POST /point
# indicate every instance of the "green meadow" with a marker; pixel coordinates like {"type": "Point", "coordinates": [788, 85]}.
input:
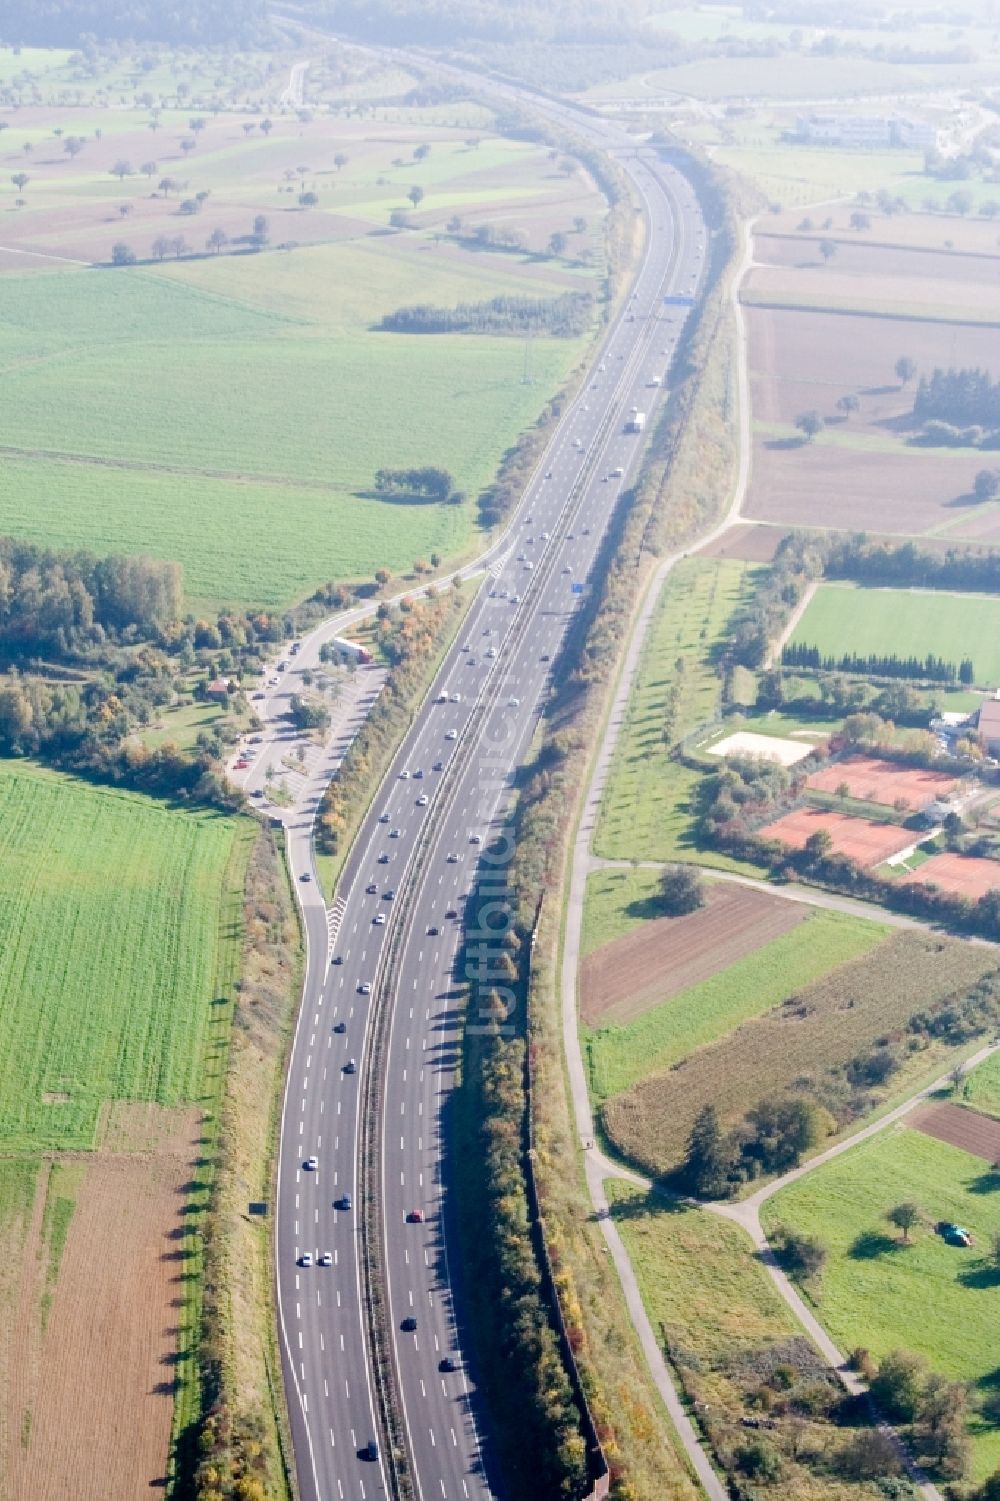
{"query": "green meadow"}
{"type": "Point", "coordinates": [844, 618]}
{"type": "Point", "coordinates": [118, 921]}
{"type": "Point", "coordinates": [936, 1299]}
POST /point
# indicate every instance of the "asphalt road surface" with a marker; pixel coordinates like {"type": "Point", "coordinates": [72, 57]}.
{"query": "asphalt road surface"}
{"type": "Point", "coordinates": [422, 840]}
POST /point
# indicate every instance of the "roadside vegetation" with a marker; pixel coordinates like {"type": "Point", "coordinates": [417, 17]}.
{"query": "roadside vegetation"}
{"type": "Point", "coordinates": [239, 1440]}
{"type": "Point", "coordinates": [981, 1088]}
{"type": "Point", "coordinates": [412, 638]}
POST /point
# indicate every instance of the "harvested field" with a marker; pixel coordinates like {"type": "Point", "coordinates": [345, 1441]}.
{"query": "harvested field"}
{"type": "Point", "coordinates": [116, 1289]}
{"type": "Point", "coordinates": [906, 491]}
{"type": "Point", "coordinates": [966, 875]}
{"type": "Point", "coordinates": [877, 781]}
{"type": "Point", "coordinates": [622, 979]}
{"type": "Point", "coordinates": [860, 838]}
{"type": "Point", "coordinates": [766, 747]}
{"type": "Point", "coordinates": [884, 279]}
{"type": "Point", "coordinates": [800, 360]}
{"type": "Point", "coordinates": [959, 1127]}
{"type": "Point", "coordinates": [921, 267]}
{"type": "Point", "coordinates": [747, 542]}
{"type": "Point", "coordinates": [969, 236]}
{"type": "Point", "coordinates": [859, 469]}
{"type": "Point", "coordinates": [824, 1025]}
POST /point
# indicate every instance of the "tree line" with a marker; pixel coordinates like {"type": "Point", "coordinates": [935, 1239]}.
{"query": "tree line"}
{"type": "Point", "coordinates": [65, 23]}
{"type": "Point", "coordinates": [908, 566]}
{"type": "Point", "coordinates": [967, 397]}
{"type": "Point", "coordinates": [65, 602]}
{"type": "Point", "coordinates": [564, 317]}
{"type": "Point", "coordinates": [886, 665]}
{"type": "Point", "coordinates": [424, 483]}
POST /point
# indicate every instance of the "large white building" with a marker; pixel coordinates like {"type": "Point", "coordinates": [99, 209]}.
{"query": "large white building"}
{"type": "Point", "coordinates": [869, 131]}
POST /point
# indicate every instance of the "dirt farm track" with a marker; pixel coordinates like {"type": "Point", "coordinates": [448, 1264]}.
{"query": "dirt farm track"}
{"type": "Point", "coordinates": [960, 1127]}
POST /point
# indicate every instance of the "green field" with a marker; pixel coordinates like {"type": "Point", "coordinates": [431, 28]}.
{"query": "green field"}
{"type": "Point", "coordinates": [230, 411]}
{"type": "Point", "coordinates": [233, 475]}
{"type": "Point", "coordinates": [616, 903]}
{"type": "Point", "coordinates": [111, 906]}
{"type": "Point", "coordinates": [647, 812]}
{"type": "Point", "coordinates": [620, 1056]}
{"type": "Point", "coordinates": [843, 618]}
{"type": "Point", "coordinates": [928, 1296]}
{"type": "Point", "coordinates": [982, 1087]}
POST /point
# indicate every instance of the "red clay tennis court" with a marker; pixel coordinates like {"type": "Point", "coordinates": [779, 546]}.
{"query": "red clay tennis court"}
{"type": "Point", "coordinates": [878, 781]}
{"type": "Point", "coordinates": [863, 840]}
{"type": "Point", "coordinates": [964, 875]}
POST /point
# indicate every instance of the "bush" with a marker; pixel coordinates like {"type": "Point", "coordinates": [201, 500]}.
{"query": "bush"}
{"type": "Point", "coordinates": [867, 1456]}
{"type": "Point", "coordinates": [899, 1386]}
{"type": "Point", "coordinates": [759, 1460]}
{"type": "Point", "coordinates": [682, 890]}
{"type": "Point", "coordinates": [801, 1255]}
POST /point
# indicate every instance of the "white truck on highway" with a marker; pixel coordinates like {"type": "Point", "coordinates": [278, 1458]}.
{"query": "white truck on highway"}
{"type": "Point", "coordinates": [636, 421]}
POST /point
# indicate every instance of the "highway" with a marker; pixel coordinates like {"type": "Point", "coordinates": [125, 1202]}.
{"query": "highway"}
{"type": "Point", "coordinates": [408, 877]}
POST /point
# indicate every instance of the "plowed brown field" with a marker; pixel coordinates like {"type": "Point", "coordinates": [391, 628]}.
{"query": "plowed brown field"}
{"type": "Point", "coordinates": [861, 474]}
{"type": "Point", "coordinates": [878, 781]}
{"type": "Point", "coordinates": [868, 842]}
{"type": "Point", "coordinates": [748, 542]}
{"type": "Point", "coordinates": [90, 1394]}
{"type": "Point", "coordinates": [960, 1127]}
{"type": "Point", "coordinates": [966, 875]}
{"type": "Point", "coordinates": [622, 979]}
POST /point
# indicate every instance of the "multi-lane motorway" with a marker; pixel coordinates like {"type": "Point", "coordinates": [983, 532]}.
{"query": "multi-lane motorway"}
{"type": "Point", "coordinates": [408, 878]}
